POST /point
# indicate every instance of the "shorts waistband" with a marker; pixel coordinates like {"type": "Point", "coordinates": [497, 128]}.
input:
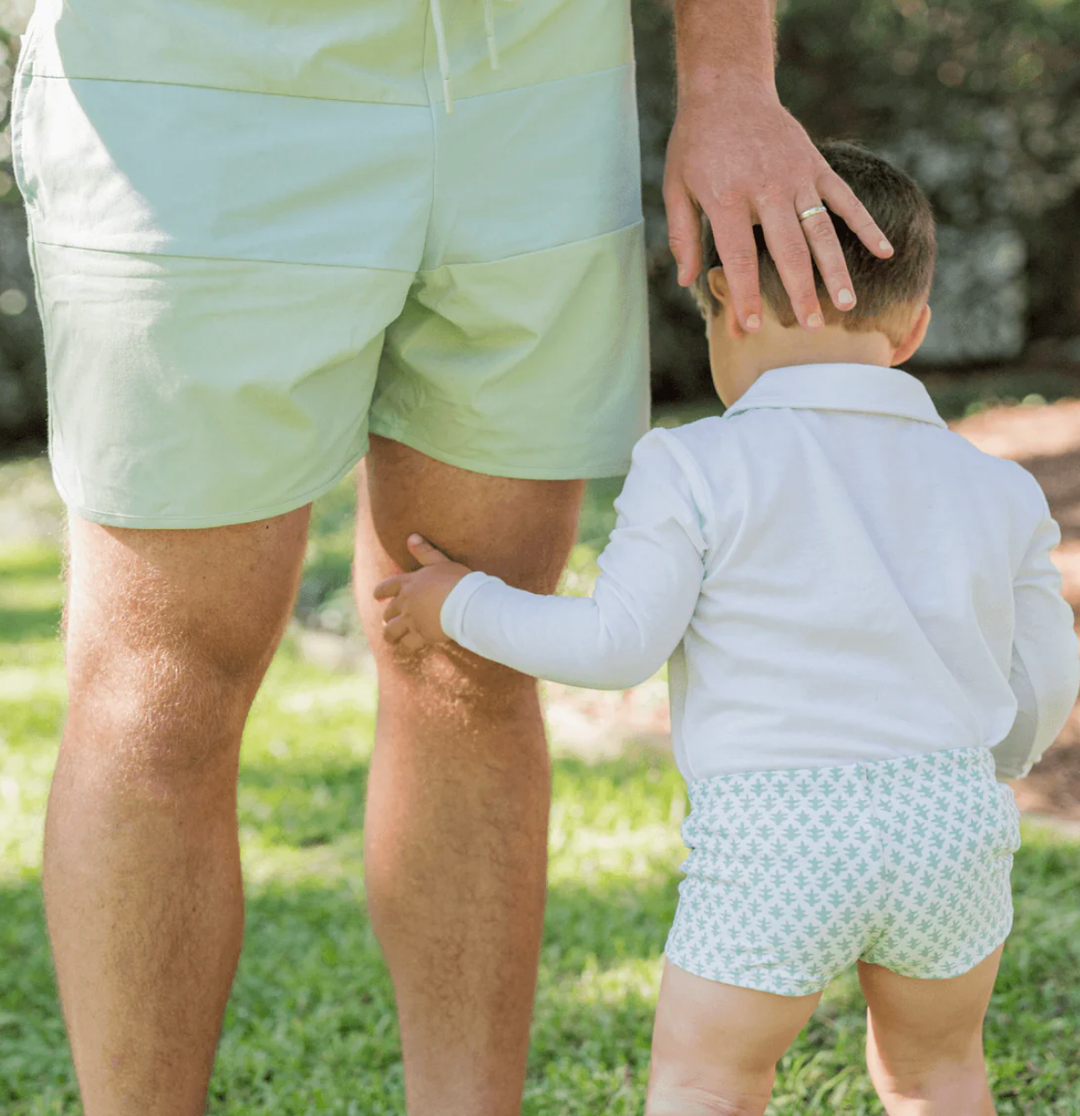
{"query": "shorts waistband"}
{"type": "Point", "coordinates": [974, 760]}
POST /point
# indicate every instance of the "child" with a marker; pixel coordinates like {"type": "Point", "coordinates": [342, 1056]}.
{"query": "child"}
{"type": "Point", "coordinates": [861, 616]}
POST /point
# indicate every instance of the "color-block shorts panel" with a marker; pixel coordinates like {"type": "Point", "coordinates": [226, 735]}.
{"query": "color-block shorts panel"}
{"type": "Point", "coordinates": [257, 240]}
{"type": "Point", "coordinates": [794, 875]}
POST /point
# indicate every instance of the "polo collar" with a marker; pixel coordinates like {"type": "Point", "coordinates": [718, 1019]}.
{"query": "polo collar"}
{"type": "Point", "coordinates": [865, 388]}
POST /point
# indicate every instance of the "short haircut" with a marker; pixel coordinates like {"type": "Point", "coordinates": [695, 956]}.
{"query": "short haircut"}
{"type": "Point", "coordinates": [887, 290]}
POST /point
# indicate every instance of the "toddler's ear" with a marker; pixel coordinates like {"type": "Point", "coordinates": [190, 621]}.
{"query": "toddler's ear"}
{"type": "Point", "coordinates": [718, 285]}
{"type": "Point", "coordinates": [914, 338]}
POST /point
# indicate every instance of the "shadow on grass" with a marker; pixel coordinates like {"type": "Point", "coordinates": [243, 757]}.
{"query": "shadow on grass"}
{"type": "Point", "coordinates": [301, 807]}
{"type": "Point", "coordinates": [27, 575]}
{"type": "Point", "coordinates": [19, 624]}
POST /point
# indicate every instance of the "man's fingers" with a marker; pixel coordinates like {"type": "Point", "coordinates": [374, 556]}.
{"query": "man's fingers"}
{"type": "Point", "coordinates": [388, 588]}
{"type": "Point", "coordinates": [684, 231]}
{"type": "Point", "coordinates": [733, 234]}
{"type": "Point", "coordinates": [424, 552]}
{"type": "Point", "coordinates": [787, 245]}
{"type": "Point", "coordinates": [841, 199]}
{"type": "Point", "coordinates": [821, 236]}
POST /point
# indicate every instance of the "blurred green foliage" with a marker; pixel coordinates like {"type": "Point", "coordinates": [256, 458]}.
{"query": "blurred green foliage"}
{"type": "Point", "coordinates": [979, 99]}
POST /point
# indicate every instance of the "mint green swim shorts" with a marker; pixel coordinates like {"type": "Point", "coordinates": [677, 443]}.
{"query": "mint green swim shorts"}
{"type": "Point", "coordinates": [794, 875]}
{"type": "Point", "coordinates": [262, 231]}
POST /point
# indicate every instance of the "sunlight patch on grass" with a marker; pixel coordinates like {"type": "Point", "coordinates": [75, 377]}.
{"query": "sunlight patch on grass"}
{"type": "Point", "coordinates": [339, 864]}
{"type": "Point", "coordinates": [613, 984]}
{"type": "Point", "coordinates": [24, 790]}
{"type": "Point", "coordinates": [31, 594]}
{"type": "Point", "coordinates": [19, 684]}
{"type": "Point", "coordinates": [353, 692]}
{"type": "Point", "coordinates": [629, 854]}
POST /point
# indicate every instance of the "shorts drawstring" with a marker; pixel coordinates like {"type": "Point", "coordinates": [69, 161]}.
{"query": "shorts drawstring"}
{"type": "Point", "coordinates": [444, 59]}
{"type": "Point", "coordinates": [440, 43]}
{"type": "Point", "coordinates": [489, 27]}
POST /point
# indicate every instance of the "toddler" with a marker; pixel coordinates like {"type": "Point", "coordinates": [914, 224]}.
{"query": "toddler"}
{"type": "Point", "coordinates": [862, 620]}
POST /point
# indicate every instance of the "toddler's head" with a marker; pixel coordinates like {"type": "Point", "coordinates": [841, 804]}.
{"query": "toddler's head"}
{"type": "Point", "coordinates": [889, 320]}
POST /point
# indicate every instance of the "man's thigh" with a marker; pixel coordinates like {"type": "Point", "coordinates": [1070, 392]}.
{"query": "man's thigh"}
{"type": "Point", "coordinates": [519, 530]}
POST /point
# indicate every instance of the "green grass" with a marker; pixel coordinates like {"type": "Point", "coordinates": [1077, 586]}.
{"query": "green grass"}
{"type": "Point", "coordinates": [310, 1027]}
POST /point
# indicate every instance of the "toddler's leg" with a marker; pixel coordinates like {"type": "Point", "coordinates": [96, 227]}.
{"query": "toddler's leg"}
{"type": "Point", "coordinates": [924, 1040]}
{"type": "Point", "coordinates": [715, 1046]}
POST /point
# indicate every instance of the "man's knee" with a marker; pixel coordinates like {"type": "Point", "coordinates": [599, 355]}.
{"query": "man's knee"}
{"type": "Point", "coordinates": [168, 636]}
{"type": "Point", "coordinates": [160, 697]}
{"type": "Point", "coordinates": [157, 713]}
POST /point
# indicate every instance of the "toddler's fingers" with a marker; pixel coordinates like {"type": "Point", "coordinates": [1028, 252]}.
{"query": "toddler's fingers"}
{"type": "Point", "coordinates": [388, 588]}
{"type": "Point", "coordinates": [424, 552]}
{"type": "Point", "coordinates": [414, 641]}
{"type": "Point", "coordinates": [396, 630]}
{"type": "Point", "coordinates": [396, 607]}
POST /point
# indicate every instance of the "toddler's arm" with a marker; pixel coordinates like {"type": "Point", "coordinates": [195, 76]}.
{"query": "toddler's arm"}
{"type": "Point", "coordinates": [651, 574]}
{"type": "Point", "coordinates": [1045, 666]}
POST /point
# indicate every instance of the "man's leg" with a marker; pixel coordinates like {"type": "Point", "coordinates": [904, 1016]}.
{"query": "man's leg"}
{"type": "Point", "coordinates": [458, 798]}
{"type": "Point", "coordinates": [168, 636]}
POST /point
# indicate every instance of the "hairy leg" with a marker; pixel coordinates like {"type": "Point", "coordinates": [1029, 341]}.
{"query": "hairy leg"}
{"type": "Point", "coordinates": [715, 1046]}
{"type": "Point", "coordinates": [168, 636]}
{"type": "Point", "coordinates": [456, 830]}
{"type": "Point", "coordinates": [924, 1046]}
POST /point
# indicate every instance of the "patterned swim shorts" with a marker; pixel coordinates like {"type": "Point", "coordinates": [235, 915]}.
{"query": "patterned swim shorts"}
{"type": "Point", "coordinates": [795, 874]}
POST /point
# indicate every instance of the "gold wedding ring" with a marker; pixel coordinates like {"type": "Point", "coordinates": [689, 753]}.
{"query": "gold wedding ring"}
{"type": "Point", "coordinates": [811, 211]}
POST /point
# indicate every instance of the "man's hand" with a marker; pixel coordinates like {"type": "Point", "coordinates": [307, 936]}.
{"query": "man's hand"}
{"type": "Point", "coordinates": [738, 155]}
{"type": "Point", "coordinates": [411, 619]}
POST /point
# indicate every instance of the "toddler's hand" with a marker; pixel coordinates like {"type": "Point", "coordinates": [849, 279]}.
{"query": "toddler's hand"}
{"type": "Point", "coordinates": [411, 619]}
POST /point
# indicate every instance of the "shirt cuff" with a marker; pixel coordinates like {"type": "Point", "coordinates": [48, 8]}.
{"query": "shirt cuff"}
{"type": "Point", "coordinates": [452, 613]}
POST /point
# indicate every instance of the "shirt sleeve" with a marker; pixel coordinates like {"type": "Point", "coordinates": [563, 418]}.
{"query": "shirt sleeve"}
{"type": "Point", "coordinates": [651, 574]}
{"type": "Point", "coordinates": [1045, 670]}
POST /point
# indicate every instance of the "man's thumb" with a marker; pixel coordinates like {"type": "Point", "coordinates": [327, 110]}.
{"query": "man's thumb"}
{"type": "Point", "coordinates": [424, 552]}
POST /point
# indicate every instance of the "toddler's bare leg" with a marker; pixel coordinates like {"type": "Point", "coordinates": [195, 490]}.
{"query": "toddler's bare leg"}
{"type": "Point", "coordinates": [924, 1040]}
{"type": "Point", "coordinates": [715, 1046]}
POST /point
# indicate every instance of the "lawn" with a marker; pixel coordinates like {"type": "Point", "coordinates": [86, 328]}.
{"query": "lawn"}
{"type": "Point", "coordinates": [310, 1027]}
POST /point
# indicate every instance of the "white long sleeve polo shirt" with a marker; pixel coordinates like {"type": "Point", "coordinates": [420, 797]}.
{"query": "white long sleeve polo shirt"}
{"type": "Point", "coordinates": [835, 576]}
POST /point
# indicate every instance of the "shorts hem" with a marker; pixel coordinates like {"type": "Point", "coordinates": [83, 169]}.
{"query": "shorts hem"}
{"type": "Point", "coordinates": [741, 980]}
{"type": "Point", "coordinates": [194, 523]}
{"type": "Point", "coordinates": [151, 256]}
{"type": "Point", "coordinates": [591, 471]}
{"type": "Point", "coordinates": [425, 103]}
{"type": "Point", "coordinates": [944, 972]}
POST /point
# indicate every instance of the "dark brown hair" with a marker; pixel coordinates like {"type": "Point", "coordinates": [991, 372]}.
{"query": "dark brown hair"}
{"type": "Point", "coordinates": [887, 290]}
